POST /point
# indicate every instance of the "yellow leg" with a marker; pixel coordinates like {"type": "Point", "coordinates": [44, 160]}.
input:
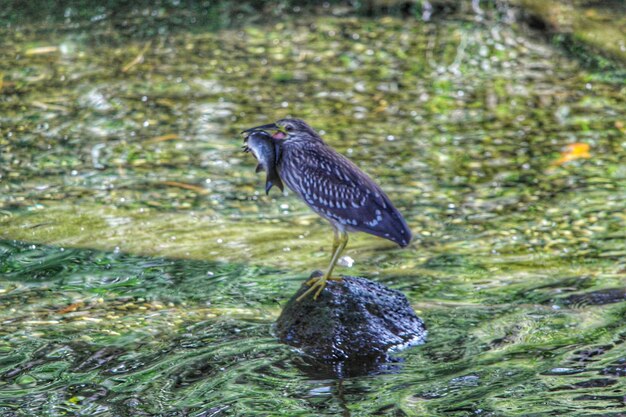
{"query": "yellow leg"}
{"type": "Point", "coordinates": [336, 242]}
{"type": "Point", "coordinates": [318, 283]}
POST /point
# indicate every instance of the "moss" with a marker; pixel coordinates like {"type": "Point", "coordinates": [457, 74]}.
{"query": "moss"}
{"type": "Point", "coordinates": [591, 32]}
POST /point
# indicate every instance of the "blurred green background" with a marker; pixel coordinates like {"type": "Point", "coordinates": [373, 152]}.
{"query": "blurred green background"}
{"type": "Point", "coordinates": [142, 266]}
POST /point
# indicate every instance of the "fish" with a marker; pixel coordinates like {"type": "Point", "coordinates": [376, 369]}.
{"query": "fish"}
{"type": "Point", "coordinates": [267, 152]}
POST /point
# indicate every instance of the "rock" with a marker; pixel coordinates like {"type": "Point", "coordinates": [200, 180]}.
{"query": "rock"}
{"type": "Point", "coordinates": [596, 298]}
{"type": "Point", "coordinates": [353, 323]}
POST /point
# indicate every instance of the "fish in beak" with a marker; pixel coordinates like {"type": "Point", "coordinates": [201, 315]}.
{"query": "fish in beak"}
{"type": "Point", "coordinates": [267, 153]}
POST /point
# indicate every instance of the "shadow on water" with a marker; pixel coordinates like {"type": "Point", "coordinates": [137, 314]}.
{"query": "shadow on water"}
{"type": "Point", "coordinates": [104, 333]}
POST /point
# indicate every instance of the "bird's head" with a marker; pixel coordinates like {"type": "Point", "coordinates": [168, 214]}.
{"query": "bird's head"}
{"type": "Point", "coordinates": [288, 130]}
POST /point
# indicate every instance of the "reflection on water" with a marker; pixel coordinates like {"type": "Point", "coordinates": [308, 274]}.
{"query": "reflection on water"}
{"type": "Point", "coordinates": [113, 334]}
{"type": "Point", "coordinates": [129, 150]}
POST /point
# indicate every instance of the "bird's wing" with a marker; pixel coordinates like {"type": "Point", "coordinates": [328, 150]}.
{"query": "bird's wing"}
{"type": "Point", "coordinates": [337, 189]}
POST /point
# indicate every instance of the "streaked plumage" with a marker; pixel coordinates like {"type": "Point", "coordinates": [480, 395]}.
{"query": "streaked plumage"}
{"type": "Point", "coordinates": [339, 191]}
{"type": "Point", "coordinates": [334, 188]}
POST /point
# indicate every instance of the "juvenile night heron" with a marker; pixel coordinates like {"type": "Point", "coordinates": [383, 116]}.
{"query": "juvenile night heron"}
{"type": "Point", "coordinates": [334, 188]}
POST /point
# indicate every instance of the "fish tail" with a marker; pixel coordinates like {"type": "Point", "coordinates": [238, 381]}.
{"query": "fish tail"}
{"type": "Point", "coordinates": [272, 179]}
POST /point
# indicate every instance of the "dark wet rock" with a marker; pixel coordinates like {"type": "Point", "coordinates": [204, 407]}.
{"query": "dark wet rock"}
{"type": "Point", "coordinates": [614, 370]}
{"type": "Point", "coordinates": [589, 354]}
{"type": "Point", "coordinates": [591, 383]}
{"type": "Point", "coordinates": [600, 297]}
{"type": "Point", "coordinates": [618, 368]}
{"type": "Point", "coordinates": [354, 322]}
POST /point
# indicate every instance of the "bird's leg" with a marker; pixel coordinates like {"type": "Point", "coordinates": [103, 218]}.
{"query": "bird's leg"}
{"type": "Point", "coordinates": [318, 283]}
{"type": "Point", "coordinates": [339, 244]}
{"type": "Point", "coordinates": [336, 242]}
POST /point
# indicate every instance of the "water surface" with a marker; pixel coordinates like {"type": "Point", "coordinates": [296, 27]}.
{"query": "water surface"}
{"type": "Point", "coordinates": [142, 266]}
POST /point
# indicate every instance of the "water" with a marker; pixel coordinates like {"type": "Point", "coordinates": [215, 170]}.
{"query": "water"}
{"type": "Point", "coordinates": [142, 266]}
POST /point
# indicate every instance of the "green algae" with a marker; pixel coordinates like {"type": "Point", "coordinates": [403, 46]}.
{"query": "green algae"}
{"type": "Point", "coordinates": [592, 31]}
{"type": "Point", "coordinates": [141, 265]}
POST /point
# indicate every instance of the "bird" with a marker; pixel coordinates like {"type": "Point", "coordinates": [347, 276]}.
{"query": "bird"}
{"type": "Point", "coordinates": [334, 188]}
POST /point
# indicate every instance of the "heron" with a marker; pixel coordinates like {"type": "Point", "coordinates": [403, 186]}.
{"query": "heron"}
{"type": "Point", "coordinates": [334, 188]}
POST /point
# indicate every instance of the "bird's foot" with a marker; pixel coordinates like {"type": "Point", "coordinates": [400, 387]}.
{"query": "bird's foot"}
{"type": "Point", "coordinates": [313, 280]}
{"type": "Point", "coordinates": [317, 285]}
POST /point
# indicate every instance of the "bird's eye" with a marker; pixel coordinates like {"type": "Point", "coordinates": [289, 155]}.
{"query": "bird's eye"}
{"type": "Point", "coordinates": [288, 128]}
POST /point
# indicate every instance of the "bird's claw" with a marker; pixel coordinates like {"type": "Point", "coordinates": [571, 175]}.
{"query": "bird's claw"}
{"type": "Point", "coordinates": [317, 285]}
{"type": "Point", "coordinates": [313, 280]}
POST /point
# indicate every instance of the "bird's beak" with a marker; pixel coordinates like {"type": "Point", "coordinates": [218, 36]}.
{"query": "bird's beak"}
{"type": "Point", "coordinates": [271, 126]}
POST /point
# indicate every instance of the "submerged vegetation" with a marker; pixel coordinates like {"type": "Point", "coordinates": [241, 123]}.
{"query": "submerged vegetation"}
{"type": "Point", "coordinates": [142, 266]}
